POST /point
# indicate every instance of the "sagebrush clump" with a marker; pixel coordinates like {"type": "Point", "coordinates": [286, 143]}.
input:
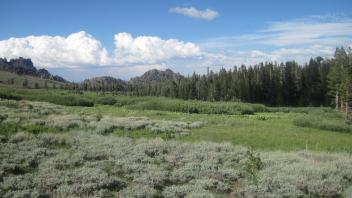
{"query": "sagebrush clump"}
{"type": "Point", "coordinates": [37, 117]}
{"type": "Point", "coordinates": [77, 164]}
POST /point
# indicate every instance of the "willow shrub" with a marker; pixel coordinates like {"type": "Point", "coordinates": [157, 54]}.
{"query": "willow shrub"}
{"type": "Point", "coordinates": [323, 119]}
{"type": "Point", "coordinates": [190, 106]}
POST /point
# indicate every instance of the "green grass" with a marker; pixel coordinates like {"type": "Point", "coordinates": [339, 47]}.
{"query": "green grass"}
{"type": "Point", "coordinates": [268, 131]}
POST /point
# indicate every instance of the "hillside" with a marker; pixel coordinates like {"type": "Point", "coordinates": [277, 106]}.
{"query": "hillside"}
{"type": "Point", "coordinates": [155, 75]}
{"type": "Point", "coordinates": [23, 66]}
{"type": "Point", "coordinates": [29, 81]}
{"type": "Point", "coordinates": [106, 83]}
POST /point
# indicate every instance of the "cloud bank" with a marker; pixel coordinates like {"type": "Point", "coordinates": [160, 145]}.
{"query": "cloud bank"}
{"type": "Point", "coordinates": [207, 14]}
{"type": "Point", "coordinates": [78, 49]}
{"type": "Point", "coordinates": [151, 49]}
{"type": "Point", "coordinates": [82, 49]}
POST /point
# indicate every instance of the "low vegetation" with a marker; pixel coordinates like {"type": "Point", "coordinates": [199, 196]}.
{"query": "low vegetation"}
{"type": "Point", "coordinates": [39, 117]}
{"type": "Point", "coordinates": [59, 97]}
{"type": "Point", "coordinates": [173, 152]}
{"type": "Point", "coordinates": [190, 106]}
{"type": "Point", "coordinates": [106, 166]}
{"type": "Point", "coordinates": [325, 119]}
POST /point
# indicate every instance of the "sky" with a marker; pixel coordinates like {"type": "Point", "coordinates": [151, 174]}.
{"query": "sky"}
{"type": "Point", "coordinates": [85, 38]}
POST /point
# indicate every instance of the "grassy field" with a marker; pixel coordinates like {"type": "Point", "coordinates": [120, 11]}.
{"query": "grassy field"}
{"type": "Point", "coordinates": [275, 130]}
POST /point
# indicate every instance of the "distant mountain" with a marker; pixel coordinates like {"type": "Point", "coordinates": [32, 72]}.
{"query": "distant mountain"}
{"type": "Point", "coordinates": [155, 75]}
{"type": "Point", "coordinates": [106, 83]}
{"type": "Point", "coordinates": [24, 66]}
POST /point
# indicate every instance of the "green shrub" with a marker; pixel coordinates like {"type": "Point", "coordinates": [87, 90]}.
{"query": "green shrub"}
{"type": "Point", "coordinates": [305, 121]}
{"type": "Point", "coordinates": [190, 106]}
{"type": "Point", "coordinates": [9, 96]}
{"type": "Point", "coordinates": [322, 121]}
{"type": "Point", "coordinates": [71, 101]}
{"type": "Point", "coordinates": [262, 117]}
{"type": "Point", "coordinates": [106, 101]}
{"type": "Point", "coordinates": [247, 111]}
{"type": "Point", "coordinates": [8, 128]}
{"type": "Point", "coordinates": [300, 174]}
{"type": "Point", "coordinates": [35, 128]}
{"type": "Point", "coordinates": [84, 102]}
{"type": "Point", "coordinates": [335, 126]}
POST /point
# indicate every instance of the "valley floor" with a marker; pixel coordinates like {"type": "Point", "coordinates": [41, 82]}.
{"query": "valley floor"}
{"type": "Point", "coordinates": [132, 148]}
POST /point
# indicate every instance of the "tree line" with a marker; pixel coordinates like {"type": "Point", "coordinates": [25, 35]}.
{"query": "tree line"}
{"type": "Point", "coordinates": [318, 82]}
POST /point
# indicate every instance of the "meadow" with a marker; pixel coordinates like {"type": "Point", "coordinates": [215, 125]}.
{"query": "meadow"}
{"type": "Point", "coordinates": [126, 146]}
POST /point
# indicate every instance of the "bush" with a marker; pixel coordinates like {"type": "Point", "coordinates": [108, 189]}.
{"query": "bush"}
{"type": "Point", "coordinates": [35, 128]}
{"type": "Point", "coordinates": [305, 121]}
{"type": "Point", "coordinates": [9, 96]}
{"type": "Point", "coordinates": [322, 122]}
{"type": "Point", "coordinates": [8, 128]}
{"type": "Point", "coordinates": [189, 106]}
{"type": "Point", "coordinates": [72, 101]}
{"type": "Point", "coordinates": [106, 101]}
{"type": "Point", "coordinates": [247, 111]}
{"type": "Point", "coordinates": [301, 174]}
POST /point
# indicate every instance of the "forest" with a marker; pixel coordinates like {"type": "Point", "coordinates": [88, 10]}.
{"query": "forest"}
{"type": "Point", "coordinates": [319, 82]}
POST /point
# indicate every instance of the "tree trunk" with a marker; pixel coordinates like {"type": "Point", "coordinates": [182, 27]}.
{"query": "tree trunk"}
{"type": "Point", "coordinates": [337, 100]}
{"type": "Point", "coordinates": [341, 104]}
{"type": "Point", "coordinates": [347, 109]}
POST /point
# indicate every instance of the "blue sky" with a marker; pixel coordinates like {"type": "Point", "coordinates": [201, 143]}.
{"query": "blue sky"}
{"type": "Point", "coordinates": [81, 39]}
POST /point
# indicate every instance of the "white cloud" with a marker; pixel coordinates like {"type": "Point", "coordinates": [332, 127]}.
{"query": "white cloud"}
{"type": "Point", "coordinates": [300, 55]}
{"type": "Point", "coordinates": [207, 14]}
{"type": "Point", "coordinates": [298, 40]}
{"type": "Point", "coordinates": [56, 51]}
{"type": "Point", "coordinates": [306, 33]}
{"type": "Point", "coordinates": [81, 50]}
{"type": "Point", "coordinates": [150, 49]}
{"type": "Point", "coordinates": [326, 30]}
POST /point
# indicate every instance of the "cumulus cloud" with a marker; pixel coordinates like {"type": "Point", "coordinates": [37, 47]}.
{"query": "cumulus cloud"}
{"type": "Point", "coordinates": [82, 49]}
{"type": "Point", "coordinates": [151, 49]}
{"type": "Point", "coordinates": [56, 51]}
{"type": "Point", "coordinates": [207, 14]}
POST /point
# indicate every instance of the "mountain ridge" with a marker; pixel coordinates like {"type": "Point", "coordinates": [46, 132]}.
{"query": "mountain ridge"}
{"type": "Point", "coordinates": [24, 66]}
{"type": "Point", "coordinates": [155, 75]}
